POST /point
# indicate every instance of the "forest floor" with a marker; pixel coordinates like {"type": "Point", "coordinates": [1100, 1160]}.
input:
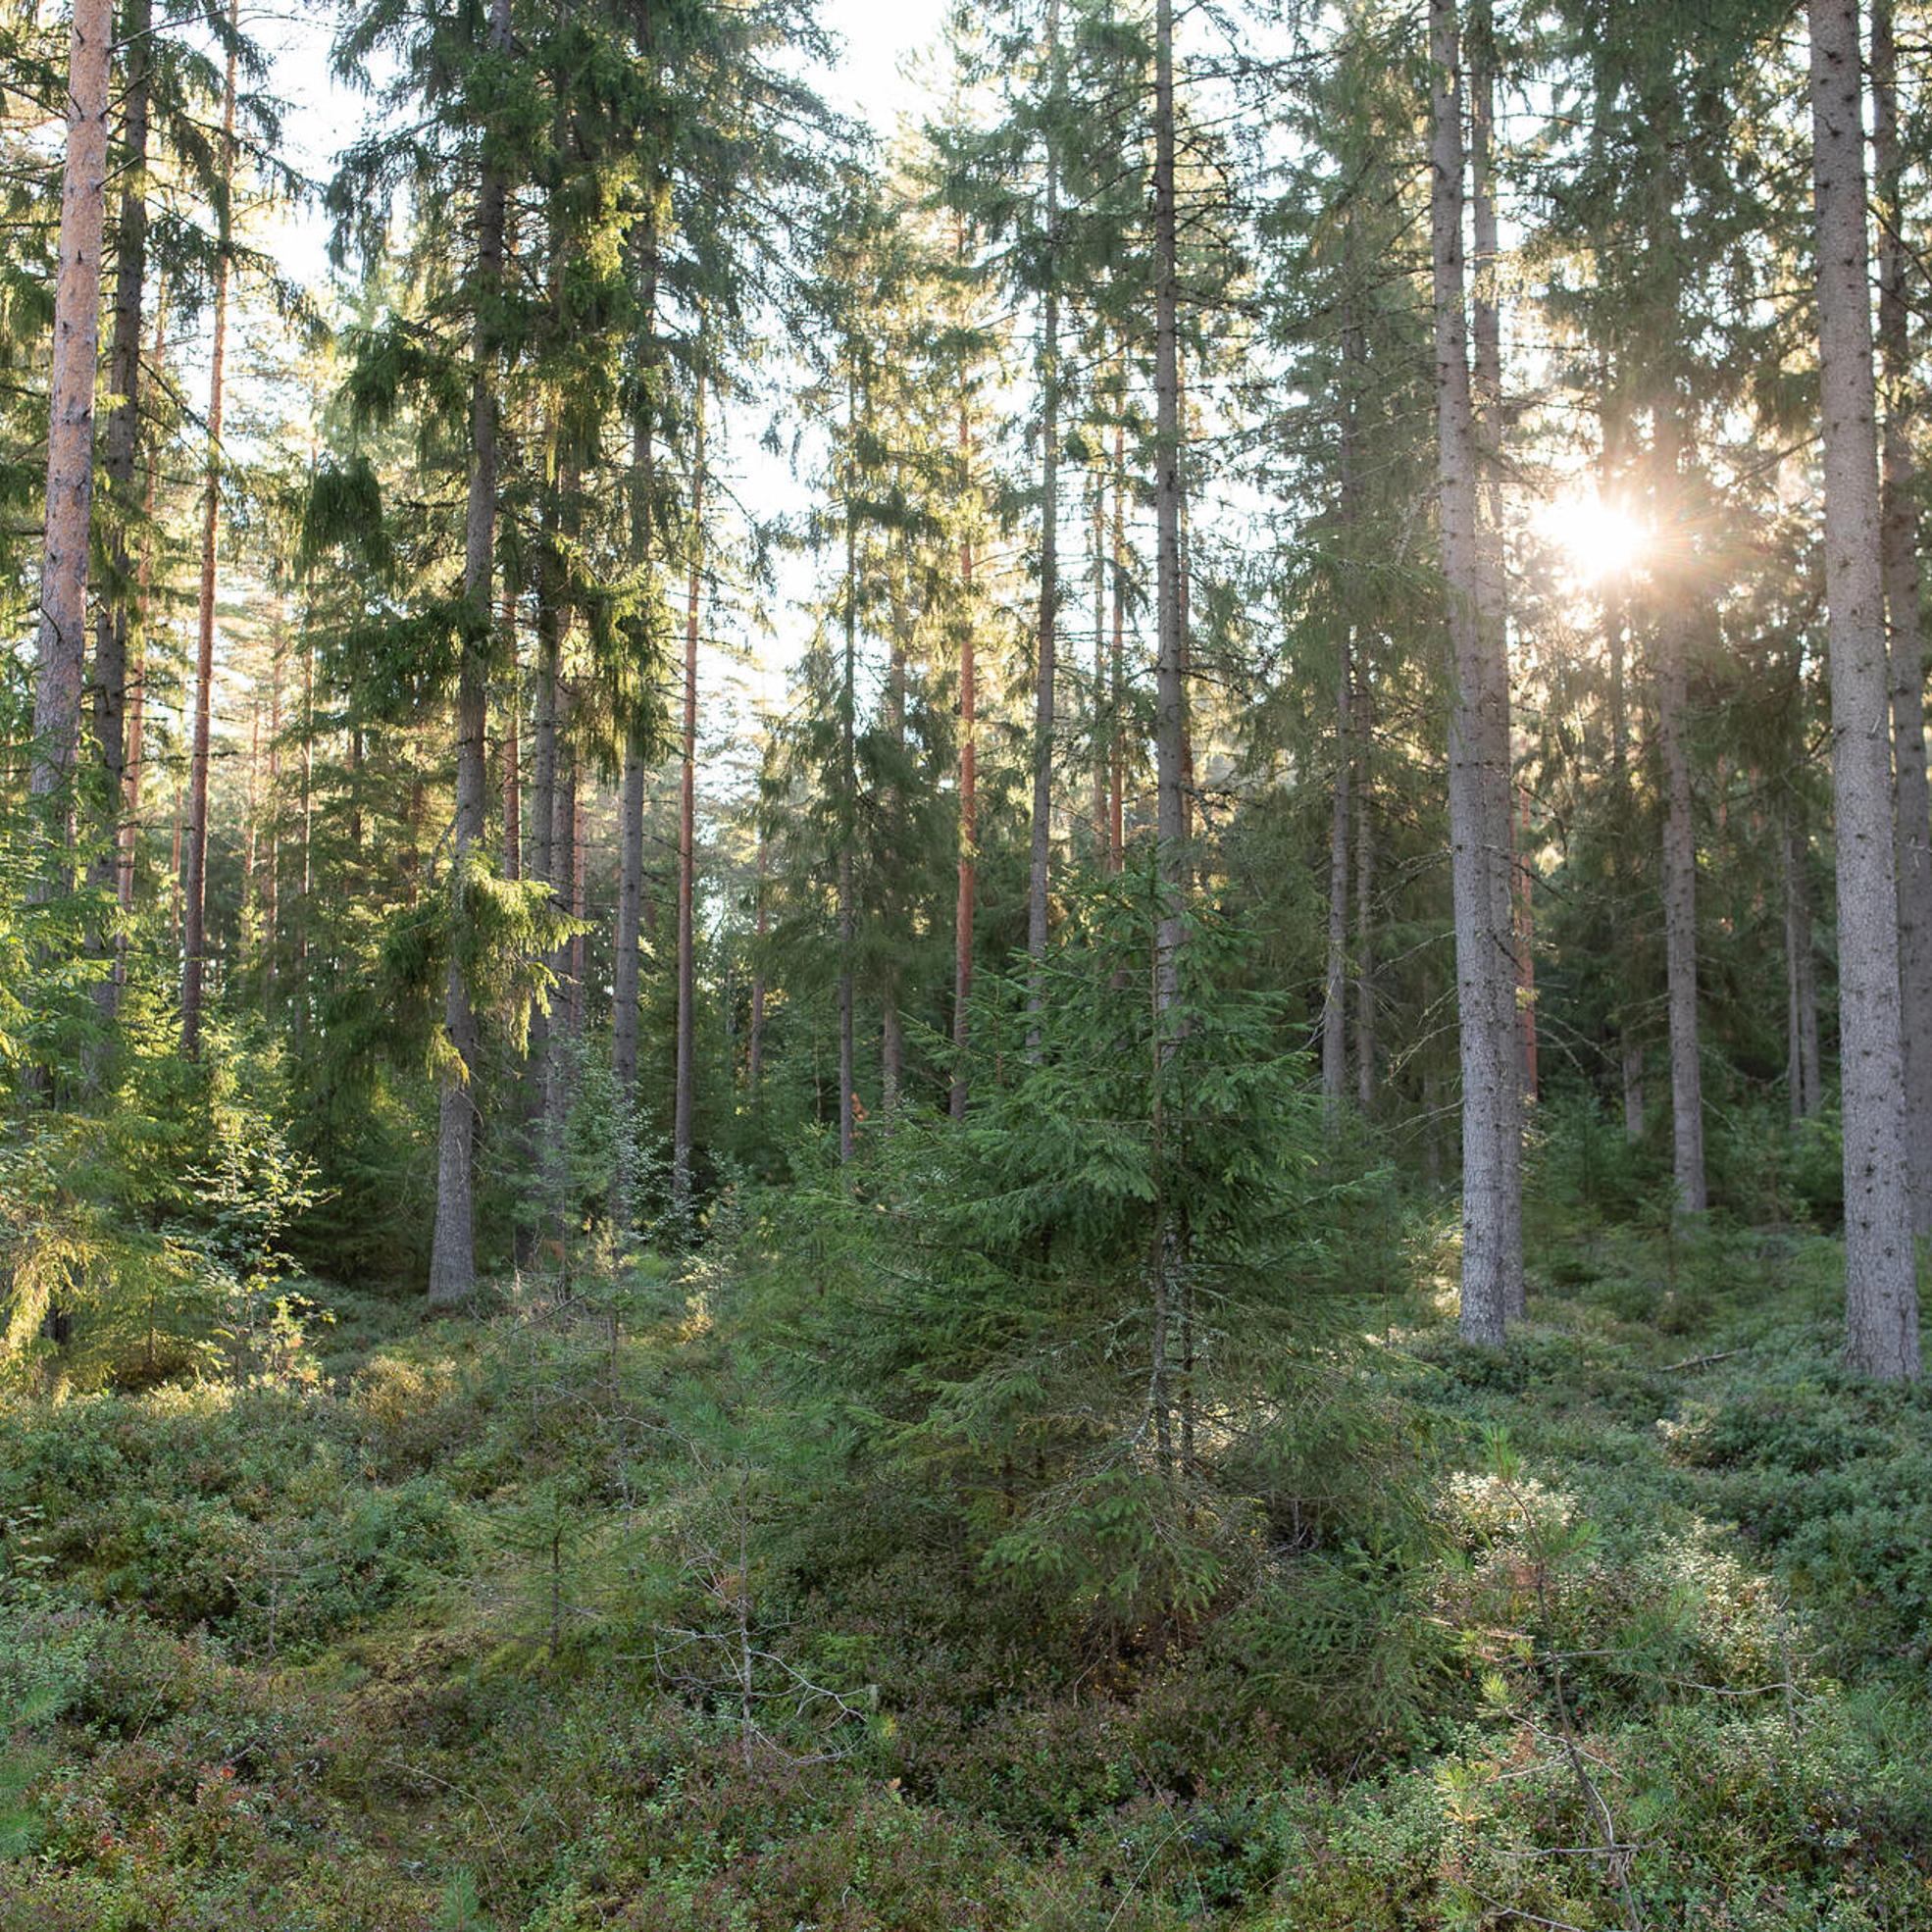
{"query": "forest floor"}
{"type": "Point", "coordinates": [467, 1624]}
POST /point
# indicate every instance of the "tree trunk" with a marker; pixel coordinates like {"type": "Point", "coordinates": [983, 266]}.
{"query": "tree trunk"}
{"type": "Point", "coordinates": [62, 642]}
{"type": "Point", "coordinates": [1488, 1051]}
{"type": "Point", "coordinates": [1880, 1273]}
{"type": "Point", "coordinates": [195, 897]}
{"type": "Point", "coordinates": [513, 748]}
{"type": "Point", "coordinates": [754, 1052]}
{"type": "Point", "coordinates": [1900, 539]}
{"type": "Point", "coordinates": [848, 782]}
{"type": "Point", "coordinates": [969, 805]}
{"type": "Point", "coordinates": [129, 842]}
{"type": "Point", "coordinates": [452, 1250]}
{"type": "Point", "coordinates": [1630, 1049]}
{"type": "Point", "coordinates": [272, 911]}
{"type": "Point", "coordinates": [685, 1111]}
{"type": "Point", "coordinates": [1364, 723]}
{"type": "Point", "coordinates": [1335, 1003]}
{"type": "Point", "coordinates": [891, 1026]}
{"type": "Point", "coordinates": [1116, 803]}
{"type": "Point", "coordinates": [1492, 623]}
{"type": "Point", "coordinates": [113, 700]}
{"type": "Point", "coordinates": [1680, 856]}
{"type": "Point", "coordinates": [1040, 861]}
{"type": "Point", "coordinates": [1525, 943]}
{"type": "Point", "coordinates": [630, 834]}
{"type": "Point", "coordinates": [1170, 686]}
{"type": "Point", "coordinates": [1101, 734]}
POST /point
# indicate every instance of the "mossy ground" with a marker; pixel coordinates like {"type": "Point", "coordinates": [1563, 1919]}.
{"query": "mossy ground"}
{"type": "Point", "coordinates": [472, 1624]}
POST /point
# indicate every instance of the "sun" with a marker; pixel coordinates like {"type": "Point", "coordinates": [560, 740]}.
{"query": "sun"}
{"type": "Point", "coordinates": [1599, 539]}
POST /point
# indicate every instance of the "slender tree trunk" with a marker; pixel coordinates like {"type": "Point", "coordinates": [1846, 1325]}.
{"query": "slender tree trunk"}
{"type": "Point", "coordinates": [195, 896]}
{"type": "Point", "coordinates": [1335, 1003]}
{"type": "Point", "coordinates": [891, 1026]}
{"type": "Point", "coordinates": [561, 1039]}
{"type": "Point", "coordinates": [1680, 859]}
{"type": "Point", "coordinates": [1680, 919]}
{"type": "Point", "coordinates": [452, 1249]}
{"type": "Point", "coordinates": [1116, 803]}
{"type": "Point", "coordinates": [272, 912]}
{"type": "Point", "coordinates": [686, 1109]}
{"type": "Point", "coordinates": [1493, 621]}
{"type": "Point", "coordinates": [1800, 983]}
{"type": "Point", "coordinates": [1170, 684]}
{"type": "Point", "coordinates": [62, 629]}
{"type": "Point", "coordinates": [969, 807]}
{"type": "Point", "coordinates": [131, 826]}
{"type": "Point", "coordinates": [1037, 875]}
{"type": "Point", "coordinates": [631, 836]}
{"type": "Point", "coordinates": [513, 750]}
{"type": "Point", "coordinates": [1488, 1051]}
{"type": "Point", "coordinates": [577, 886]}
{"type": "Point", "coordinates": [848, 780]}
{"type": "Point", "coordinates": [1364, 722]}
{"type": "Point", "coordinates": [1630, 1049]}
{"type": "Point", "coordinates": [1525, 943]}
{"type": "Point", "coordinates": [1880, 1274]}
{"type": "Point", "coordinates": [754, 1052]}
{"type": "Point", "coordinates": [113, 699]}
{"type": "Point", "coordinates": [1101, 736]}
{"type": "Point", "coordinates": [308, 832]}
{"type": "Point", "coordinates": [1898, 530]}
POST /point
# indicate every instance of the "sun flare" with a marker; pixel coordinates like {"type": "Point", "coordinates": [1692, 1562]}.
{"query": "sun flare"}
{"type": "Point", "coordinates": [1597, 539]}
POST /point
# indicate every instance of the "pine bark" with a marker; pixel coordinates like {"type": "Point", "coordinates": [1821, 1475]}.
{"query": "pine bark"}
{"type": "Point", "coordinates": [119, 455]}
{"type": "Point", "coordinates": [1800, 975]}
{"type": "Point", "coordinates": [1170, 684]}
{"type": "Point", "coordinates": [1364, 723]}
{"type": "Point", "coordinates": [684, 1103]}
{"type": "Point", "coordinates": [195, 909]}
{"type": "Point", "coordinates": [1040, 857]}
{"type": "Point", "coordinates": [1493, 621]}
{"type": "Point", "coordinates": [127, 844]}
{"type": "Point", "coordinates": [1487, 1049]}
{"type": "Point", "coordinates": [62, 640]}
{"type": "Point", "coordinates": [968, 805]}
{"type": "Point", "coordinates": [1335, 1001]}
{"type": "Point", "coordinates": [848, 779]}
{"type": "Point", "coordinates": [630, 834]}
{"type": "Point", "coordinates": [1680, 859]}
{"type": "Point", "coordinates": [1880, 1272]}
{"type": "Point", "coordinates": [1899, 529]}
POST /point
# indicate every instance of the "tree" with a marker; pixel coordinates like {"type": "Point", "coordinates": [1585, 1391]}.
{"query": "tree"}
{"type": "Point", "coordinates": [1880, 1265]}
{"type": "Point", "coordinates": [1491, 1257]}
{"type": "Point", "coordinates": [71, 411]}
{"type": "Point", "coordinates": [196, 890]}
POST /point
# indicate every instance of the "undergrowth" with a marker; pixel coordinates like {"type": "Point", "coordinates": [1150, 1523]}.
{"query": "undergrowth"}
{"type": "Point", "coordinates": [658, 1606]}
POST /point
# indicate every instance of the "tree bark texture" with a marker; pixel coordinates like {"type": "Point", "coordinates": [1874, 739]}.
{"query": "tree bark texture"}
{"type": "Point", "coordinates": [1488, 1049]}
{"type": "Point", "coordinates": [684, 1100]}
{"type": "Point", "coordinates": [62, 641]}
{"type": "Point", "coordinates": [195, 892]}
{"type": "Point", "coordinates": [1040, 858]}
{"type": "Point", "coordinates": [1899, 529]}
{"type": "Point", "coordinates": [1170, 680]}
{"type": "Point", "coordinates": [1880, 1271]}
{"type": "Point", "coordinates": [120, 455]}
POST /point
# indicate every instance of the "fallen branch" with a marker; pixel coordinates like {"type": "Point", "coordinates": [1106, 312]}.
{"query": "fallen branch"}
{"type": "Point", "coordinates": [1700, 1361]}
